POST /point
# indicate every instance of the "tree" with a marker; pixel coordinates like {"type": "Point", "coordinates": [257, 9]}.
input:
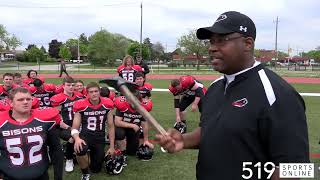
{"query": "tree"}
{"type": "Point", "coordinates": [158, 51]}
{"type": "Point", "coordinates": [257, 53]}
{"type": "Point", "coordinates": [105, 47]}
{"type": "Point", "coordinates": [134, 50]}
{"type": "Point", "coordinates": [43, 49]}
{"type": "Point", "coordinates": [30, 46]}
{"type": "Point", "coordinates": [148, 43]}
{"type": "Point", "coordinates": [54, 48]}
{"type": "Point", "coordinates": [7, 40]}
{"type": "Point", "coordinates": [72, 44]}
{"type": "Point", "coordinates": [65, 52]}
{"type": "Point", "coordinates": [35, 55]}
{"type": "Point", "coordinates": [83, 39]}
{"type": "Point", "coordinates": [313, 54]}
{"type": "Point", "coordinates": [3, 35]}
{"type": "Point", "coordinates": [190, 44]}
{"type": "Point", "coordinates": [12, 42]}
{"type": "Point", "coordinates": [282, 55]}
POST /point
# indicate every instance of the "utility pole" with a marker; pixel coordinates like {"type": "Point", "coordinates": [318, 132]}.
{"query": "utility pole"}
{"type": "Point", "coordinates": [276, 44]}
{"type": "Point", "coordinates": [140, 52]}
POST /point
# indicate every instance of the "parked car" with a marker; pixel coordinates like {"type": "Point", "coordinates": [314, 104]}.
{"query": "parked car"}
{"type": "Point", "coordinates": [76, 61]}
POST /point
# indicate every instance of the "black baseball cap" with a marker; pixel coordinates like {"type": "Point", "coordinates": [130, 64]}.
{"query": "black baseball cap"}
{"type": "Point", "coordinates": [229, 22]}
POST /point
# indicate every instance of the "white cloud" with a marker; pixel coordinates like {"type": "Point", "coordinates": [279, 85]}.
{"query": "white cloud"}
{"type": "Point", "coordinates": [164, 21]}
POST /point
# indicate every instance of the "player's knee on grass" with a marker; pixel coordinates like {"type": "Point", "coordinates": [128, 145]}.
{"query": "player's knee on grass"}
{"type": "Point", "coordinates": [132, 142]}
{"type": "Point", "coordinates": [97, 154]}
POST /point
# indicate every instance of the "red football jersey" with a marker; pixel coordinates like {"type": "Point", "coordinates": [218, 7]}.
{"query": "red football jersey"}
{"type": "Point", "coordinates": [43, 94]}
{"type": "Point", "coordinates": [187, 83]}
{"type": "Point", "coordinates": [129, 73]}
{"type": "Point", "coordinates": [5, 92]}
{"type": "Point", "coordinates": [29, 81]}
{"type": "Point", "coordinates": [145, 90]}
{"type": "Point", "coordinates": [125, 110]}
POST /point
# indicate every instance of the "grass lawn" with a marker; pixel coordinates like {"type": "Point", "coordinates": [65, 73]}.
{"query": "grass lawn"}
{"type": "Point", "coordinates": [182, 165]}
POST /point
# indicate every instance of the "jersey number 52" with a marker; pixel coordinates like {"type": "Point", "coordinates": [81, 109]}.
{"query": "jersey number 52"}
{"type": "Point", "coordinates": [18, 156]}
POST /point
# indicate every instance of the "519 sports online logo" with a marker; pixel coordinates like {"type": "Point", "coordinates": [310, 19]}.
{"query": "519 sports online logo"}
{"type": "Point", "coordinates": [286, 170]}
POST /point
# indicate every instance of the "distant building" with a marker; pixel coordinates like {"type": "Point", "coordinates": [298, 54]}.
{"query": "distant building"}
{"type": "Point", "coordinates": [8, 55]}
{"type": "Point", "coordinates": [188, 59]}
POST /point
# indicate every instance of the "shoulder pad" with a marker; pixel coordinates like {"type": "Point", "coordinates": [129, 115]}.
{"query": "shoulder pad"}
{"type": "Point", "coordinates": [27, 81]}
{"type": "Point", "coordinates": [137, 68]}
{"type": "Point", "coordinates": [4, 106]}
{"type": "Point", "coordinates": [121, 103]}
{"type": "Point", "coordinates": [107, 103]}
{"type": "Point", "coordinates": [47, 114]}
{"type": "Point", "coordinates": [173, 90]}
{"type": "Point", "coordinates": [32, 89]}
{"type": "Point", "coordinates": [148, 86]}
{"type": "Point", "coordinates": [84, 92]}
{"type": "Point", "coordinates": [4, 116]}
{"type": "Point", "coordinates": [78, 94]}
{"type": "Point", "coordinates": [35, 103]}
{"type": "Point", "coordinates": [59, 89]}
{"type": "Point", "coordinates": [147, 104]}
{"type": "Point", "coordinates": [120, 68]}
{"type": "Point", "coordinates": [80, 105]}
{"type": "Point", "coordinates": [1, 89]}
{"type": "Point", "coordinates": [49, 87]}
{"type": "Point", "coordinates": [57, 99]}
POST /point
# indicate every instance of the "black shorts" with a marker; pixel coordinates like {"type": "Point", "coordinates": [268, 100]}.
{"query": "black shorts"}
{"type": "Point", "coordinates": [97, 152]}
{"type": "Point", "coordinates": [132, 138]}
{"type": "Point", "coordinates": [185, 101]}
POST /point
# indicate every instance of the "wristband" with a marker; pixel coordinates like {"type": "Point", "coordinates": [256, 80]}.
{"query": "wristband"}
{"type": "Point", "coordinates": [74, 131]}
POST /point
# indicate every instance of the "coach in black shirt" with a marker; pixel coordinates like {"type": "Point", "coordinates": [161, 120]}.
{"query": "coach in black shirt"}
{"type": "Point", "coordinates": [250, 114]}
{"type": "Point", "coordinates": [142, 64]}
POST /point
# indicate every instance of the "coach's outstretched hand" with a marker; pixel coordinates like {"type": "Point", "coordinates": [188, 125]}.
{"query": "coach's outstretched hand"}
{"type": "Point", "coordinates": [172, 142]}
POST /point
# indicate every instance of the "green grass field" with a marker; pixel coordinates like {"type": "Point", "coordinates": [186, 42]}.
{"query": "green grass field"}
{"type": "Point", "coordinates": [182, 165]}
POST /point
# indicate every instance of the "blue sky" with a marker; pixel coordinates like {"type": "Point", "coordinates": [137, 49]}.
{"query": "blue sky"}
{"type": "Point", "coordinates": [38, 22]}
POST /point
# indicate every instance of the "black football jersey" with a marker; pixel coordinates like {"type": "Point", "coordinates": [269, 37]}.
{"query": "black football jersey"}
{"type": "Point", "coordinates": [93, 117]}
{"type": "Point", "coordinates": [23, 146]}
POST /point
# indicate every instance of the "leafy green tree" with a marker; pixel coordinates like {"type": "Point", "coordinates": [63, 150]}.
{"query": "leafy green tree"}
{"type": "Point", "coordinates": [83, 39]}
{"type": "Point", "coordinates": [30, 46]}
{"type": "Point", "coordinates": [158, 51]}
{"type": "Point", "coordinates": [7, 40]}
{"type": "Point", "coordinates": [190, 44]}
{"type": "Point", "coordinates": [148, 43]}
{"type": "Point", "coordinates": [313, 54]}
{"type": "Point", "coordinates": [35, 54]}
{"type": "Point", "coordinates": [134, 50]}
{"type": "Point", "coordinates": [105, 47]}
{"type": "Point", "coordinates": [65, 52]}
{"type": "Point", "coordinates": [72, 44]}
{"type": "Point", "coordinates": [43, 49]}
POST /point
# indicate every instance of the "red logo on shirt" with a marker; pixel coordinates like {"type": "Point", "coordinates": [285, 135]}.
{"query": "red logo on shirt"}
{"type": "Point", "coordinates": [240, 103]}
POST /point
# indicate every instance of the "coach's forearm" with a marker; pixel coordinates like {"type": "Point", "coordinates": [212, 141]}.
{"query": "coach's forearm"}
{"type": "Point", "coordinates": [192, 140]}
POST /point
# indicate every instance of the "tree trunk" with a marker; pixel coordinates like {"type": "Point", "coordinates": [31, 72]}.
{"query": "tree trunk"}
{"type": "Point", "coordinates": [198, 62]}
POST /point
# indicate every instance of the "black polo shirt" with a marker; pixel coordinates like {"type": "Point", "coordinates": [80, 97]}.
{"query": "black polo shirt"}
{"type": "Point", "coordinates": [259, 117]}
